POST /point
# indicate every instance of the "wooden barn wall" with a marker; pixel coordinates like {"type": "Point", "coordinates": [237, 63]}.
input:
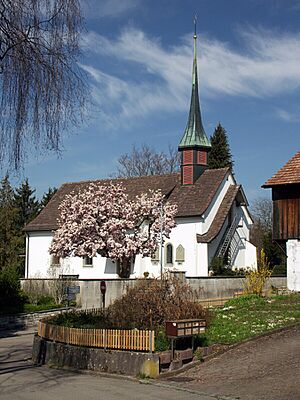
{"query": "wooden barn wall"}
{"type": "Point", "coordinates": [286, 219]}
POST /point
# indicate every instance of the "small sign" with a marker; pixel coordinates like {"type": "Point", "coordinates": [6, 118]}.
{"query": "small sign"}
{"type": "Point", "coordinates": [71, 296]}
{"type": "Point", "coordinates": [73, 289]}
{"type": "Point", "coordinates": [103, 287]}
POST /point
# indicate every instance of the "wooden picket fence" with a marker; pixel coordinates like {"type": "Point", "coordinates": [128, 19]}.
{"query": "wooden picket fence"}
{"type": "Point", "coordinates": [118, 339]}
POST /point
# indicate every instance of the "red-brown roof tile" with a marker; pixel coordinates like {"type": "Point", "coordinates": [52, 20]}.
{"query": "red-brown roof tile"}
{"type": "Point", "coordinates": [288, 174]}
{"type": "Point", "coordinates": [191, 200]}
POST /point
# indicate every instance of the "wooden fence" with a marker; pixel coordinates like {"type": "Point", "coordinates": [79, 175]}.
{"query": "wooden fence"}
{"type": "Point", "coordinates": [118, 339]}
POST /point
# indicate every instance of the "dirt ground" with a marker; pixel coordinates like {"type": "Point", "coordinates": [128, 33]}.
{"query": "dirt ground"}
{"type": "Point", "coordinates": [264, 369]}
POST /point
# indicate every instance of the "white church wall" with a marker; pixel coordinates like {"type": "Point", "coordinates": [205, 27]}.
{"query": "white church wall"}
{"type": "Point", "coordinates": [293, 264]}
{"type": "Point", "coordinates": [37, 256]}
{"type": "Point", "coordinates": [39, 259]}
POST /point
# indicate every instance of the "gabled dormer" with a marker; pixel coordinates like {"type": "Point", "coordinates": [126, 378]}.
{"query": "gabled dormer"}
{"type": "Point", "coordinates": [194, 145]}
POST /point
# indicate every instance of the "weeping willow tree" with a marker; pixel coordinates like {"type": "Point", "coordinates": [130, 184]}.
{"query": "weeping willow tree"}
{"type": "Point", "coordinates": [42, 89]}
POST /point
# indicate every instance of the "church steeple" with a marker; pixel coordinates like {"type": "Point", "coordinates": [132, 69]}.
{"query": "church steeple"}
{"type": "Point", "coordinates": [194, 145]}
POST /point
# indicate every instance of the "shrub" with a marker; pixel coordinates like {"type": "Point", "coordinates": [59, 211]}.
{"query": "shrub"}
{"type": "Point", "coordinates": [11, 297]}
{"type": "Point", "coordinates": [162, 343]}
{"type": "Point", "coordinates": [255, 280]}
{"type": "Point", "coordinates": [153, 301]}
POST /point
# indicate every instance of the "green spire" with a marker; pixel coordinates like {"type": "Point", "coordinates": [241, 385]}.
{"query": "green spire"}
{"type": "Point", "coordinates": [194, 134]}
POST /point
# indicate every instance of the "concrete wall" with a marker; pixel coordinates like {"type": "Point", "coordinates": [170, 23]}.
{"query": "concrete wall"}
{"type": "Point", "coordinates": [24, 321]}
{"type": "Point", "coordinates": [208, 287]}
{"type": "Point", "coordinates": [85, 358]}
{"type": "Point", "coordinates": [293, 264]}
{"type": "Point", "coordinates": [213, 288]}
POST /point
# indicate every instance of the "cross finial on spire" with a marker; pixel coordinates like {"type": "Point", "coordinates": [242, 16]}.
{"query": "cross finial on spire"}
{"type": "Point", "coordinates": [195, 26]}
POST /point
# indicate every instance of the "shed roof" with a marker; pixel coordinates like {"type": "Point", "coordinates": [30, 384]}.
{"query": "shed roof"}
{"type": "Point", "coordinates": [288, 174]}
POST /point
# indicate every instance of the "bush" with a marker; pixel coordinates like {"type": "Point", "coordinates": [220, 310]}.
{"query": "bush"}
{"type": "Point", "coordinates": [255, 280]}
{"type": "Point", "coordinates": [162, 342]}
{"type": "Point", "coordinates": [146, 306]}
{"type": "Point", "coordinates": [11, 297]}
{"type": "Point", "coordinates": [153, 301]}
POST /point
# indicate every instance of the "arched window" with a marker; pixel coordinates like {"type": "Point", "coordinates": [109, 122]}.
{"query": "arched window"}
{"type": "Point", "coordinates": [169, 253]}
{"type": "Point", "coordinates": [87, 261]}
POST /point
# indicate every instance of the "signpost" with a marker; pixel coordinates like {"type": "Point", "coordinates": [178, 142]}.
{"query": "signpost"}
{"type": "Point", "coordinates": [71, 292]}
{"type": "Point", "coordinates": [103, 291]}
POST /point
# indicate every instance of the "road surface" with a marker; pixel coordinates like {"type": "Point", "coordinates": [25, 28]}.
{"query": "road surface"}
{"type": "Point", "coordinates": [20, 380]}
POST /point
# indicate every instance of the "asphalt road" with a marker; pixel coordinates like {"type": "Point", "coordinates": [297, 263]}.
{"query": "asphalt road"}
{"type": "Point", "coordinates": [267, 368]}
{"type": "Point", "coordinates": [20, 380]}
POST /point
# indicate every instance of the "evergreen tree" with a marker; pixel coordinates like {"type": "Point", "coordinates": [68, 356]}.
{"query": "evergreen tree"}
{"type": "Point", "coordinates": [11, 240]}
{"type": "Point", "coordinates": [220, 155]}
{"type": "Point", "coordinates": [47, 197]}
{"type": "Point", "coordinates": [26, 203]}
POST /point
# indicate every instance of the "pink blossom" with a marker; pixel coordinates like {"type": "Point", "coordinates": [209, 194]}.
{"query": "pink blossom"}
{"type": "Point", "coordinates": [104, 220]}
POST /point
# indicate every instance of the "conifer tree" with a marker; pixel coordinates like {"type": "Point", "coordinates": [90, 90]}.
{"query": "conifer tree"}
{"type": "Point", "coordinates": [26, 203]}
{"type": "Point", "coordinates": [220, 155]}
{"type": "Point", "coordinates": [47, 197]}
{"type": "Point", "coordinates": [11, 240]}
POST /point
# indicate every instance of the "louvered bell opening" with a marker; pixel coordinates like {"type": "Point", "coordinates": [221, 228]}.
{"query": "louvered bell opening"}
{"type": "Point", "coordinates": [201, 157]}
{"type": "Point", "coordinates": [187, 157]}
{"type": "Point", "coordinates": [187, 175]}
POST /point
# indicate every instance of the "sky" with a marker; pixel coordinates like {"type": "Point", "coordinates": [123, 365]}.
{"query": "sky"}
{"type": "Point", "coordinates": [137, 56]}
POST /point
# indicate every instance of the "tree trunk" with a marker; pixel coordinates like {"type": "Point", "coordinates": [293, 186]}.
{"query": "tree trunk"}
{"type": "Point", "coordinates": [123, 267]}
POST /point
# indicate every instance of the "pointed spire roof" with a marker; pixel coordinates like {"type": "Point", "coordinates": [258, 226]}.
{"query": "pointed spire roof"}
{"type": "Point", "coordinates": [194, 134]}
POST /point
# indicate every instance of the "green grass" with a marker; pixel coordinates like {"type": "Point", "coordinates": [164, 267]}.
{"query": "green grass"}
{"type": "Point", "coordinates": [249, 316]}
{"type": "Point", "coordinates": [39, 307]}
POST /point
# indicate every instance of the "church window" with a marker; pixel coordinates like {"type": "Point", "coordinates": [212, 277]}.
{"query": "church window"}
{"type": "Point", "coordinates": [155, 256]}
{"type": "Point", "coordinates": [169, 253]}
{"type": "Point", "coordinates": [87, 261]}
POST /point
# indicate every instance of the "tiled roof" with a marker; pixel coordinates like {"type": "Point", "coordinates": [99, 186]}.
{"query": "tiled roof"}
{"type": "Point", "coordinates": [221, 215]}
{"type": "Point", "coordinates": [191, 200]}
{"type": "Point", "coordinates": [288, 174]}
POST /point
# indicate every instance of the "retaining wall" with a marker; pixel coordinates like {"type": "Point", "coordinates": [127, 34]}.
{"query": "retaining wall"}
{"type": "Point", "coordinates": [208, 287]}
{"type": "Point", "coordinates": [86, 358]}
{"type": "Point", "coordinates": [24, 321]}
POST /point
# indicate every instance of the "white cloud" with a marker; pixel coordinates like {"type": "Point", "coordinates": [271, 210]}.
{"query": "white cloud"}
{"type": "Point", "coordinates": [267, 66]}
{"type": "Point", "coordinates": [287, 116]}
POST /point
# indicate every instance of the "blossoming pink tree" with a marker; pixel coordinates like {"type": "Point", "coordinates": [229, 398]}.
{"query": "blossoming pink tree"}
{"type": "Point", "coordinates": [104, 220]}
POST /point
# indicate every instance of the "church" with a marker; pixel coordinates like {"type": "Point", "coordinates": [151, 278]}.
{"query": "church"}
{"type": "Point", "coordinates": [212, 219]}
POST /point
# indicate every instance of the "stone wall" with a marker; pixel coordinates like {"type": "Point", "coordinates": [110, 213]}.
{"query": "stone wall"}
{"type": "Point", "coordinates": [85, 358]}
{"type": "Point", "coordinates": [24, 321]}
{"type": "Point", "coordinates": [208, 287]}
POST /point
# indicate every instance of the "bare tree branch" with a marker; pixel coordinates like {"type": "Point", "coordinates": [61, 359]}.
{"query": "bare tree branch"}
{"type": "Point", "coordinates": [43, 90]}
{"type": "Point", "coordinates": [146, 161]}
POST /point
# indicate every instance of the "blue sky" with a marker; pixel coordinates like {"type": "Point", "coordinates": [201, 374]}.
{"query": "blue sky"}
{"type": "Point", "coordinates": [137, 55]}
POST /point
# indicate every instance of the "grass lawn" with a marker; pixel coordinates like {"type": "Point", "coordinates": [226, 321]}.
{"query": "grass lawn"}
{"type": "Point", "coordinates": [248, 316]}
{"type": "Point", "coordinates": [40, 307]}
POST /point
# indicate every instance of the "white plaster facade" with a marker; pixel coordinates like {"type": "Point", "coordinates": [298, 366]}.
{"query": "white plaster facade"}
{"type": "Point", "coordinates": [197, 256]}
{"type": "Point", "coordinates": [293, 264]}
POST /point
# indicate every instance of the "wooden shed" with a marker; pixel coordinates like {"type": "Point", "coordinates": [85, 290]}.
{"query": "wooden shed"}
{"type": "Point", "coordinates": [285, 185]}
